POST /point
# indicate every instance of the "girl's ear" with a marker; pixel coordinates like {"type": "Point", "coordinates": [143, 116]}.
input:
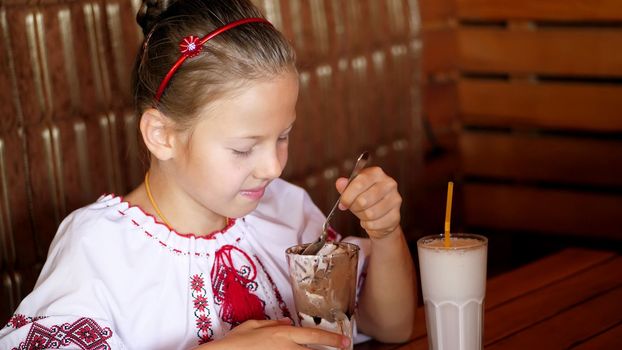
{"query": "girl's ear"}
{"type": "Point", "coordinates": [158, 133]}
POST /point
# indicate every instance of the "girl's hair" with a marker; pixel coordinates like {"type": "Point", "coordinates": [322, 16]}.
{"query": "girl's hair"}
{"type": "Point", "coordinates": [246, 53]}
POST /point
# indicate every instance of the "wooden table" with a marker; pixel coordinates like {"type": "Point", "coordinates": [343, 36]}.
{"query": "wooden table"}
{"type": "Point", "coordinates": [568, 300]}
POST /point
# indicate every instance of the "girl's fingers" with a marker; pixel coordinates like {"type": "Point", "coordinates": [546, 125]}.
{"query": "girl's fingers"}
{"type": "Point", "coordinates": [359, 185]}
{"type": "Point", "coordinates": [305, 336]}
{"type": "Point", "coordinates": [374, 198]}
{"type": "Point", "coordinates": [379, 209]}
{"type": "Point", "coordinates": [378, 195]}
{"type": "Point", "coordinates": [368, 178]}
{"type": "Point", "coordinates": [383, 225]}
{"type": "Point", "coordinates": [341, 184]}
{"type": "Point", "coordinates": [255, 324]}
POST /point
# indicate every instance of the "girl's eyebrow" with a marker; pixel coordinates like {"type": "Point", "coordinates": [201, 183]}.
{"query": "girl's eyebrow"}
{"type": "Point", "coordinates": [256, 137]}
{"type": "Point", "coordinates": [252, 137]}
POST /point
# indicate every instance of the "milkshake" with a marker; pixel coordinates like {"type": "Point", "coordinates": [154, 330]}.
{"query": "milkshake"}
{"type": "Point", "coordinates": [453, 281]}
{"type": "Point", "coordinates": [324, 287]}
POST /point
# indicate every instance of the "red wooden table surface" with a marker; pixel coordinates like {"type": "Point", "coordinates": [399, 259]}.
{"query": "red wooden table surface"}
{"type": "Point", "coordinates": [569, 300]}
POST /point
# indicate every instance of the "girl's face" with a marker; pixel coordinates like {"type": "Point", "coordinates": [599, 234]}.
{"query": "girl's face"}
{"type": "Point", "coordinates": [231, 155]}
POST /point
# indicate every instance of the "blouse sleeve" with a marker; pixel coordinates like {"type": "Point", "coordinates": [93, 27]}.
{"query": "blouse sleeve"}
{"type": "Point", "coordinates": [58, 332]}
{"type": "Point", "coordinates": [66, 308]}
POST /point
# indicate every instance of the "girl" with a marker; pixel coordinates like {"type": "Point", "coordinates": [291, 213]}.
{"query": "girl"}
{"type": "Point", "coordinates": [195, 254]}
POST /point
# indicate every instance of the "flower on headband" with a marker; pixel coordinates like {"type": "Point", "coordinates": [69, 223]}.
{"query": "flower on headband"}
{"type": "Point", "coordinates": [190, 46]}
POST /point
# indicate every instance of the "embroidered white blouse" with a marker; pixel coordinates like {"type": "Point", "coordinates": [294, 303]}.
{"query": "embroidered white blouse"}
{"type": "Point", "coordinates": [115, 278]}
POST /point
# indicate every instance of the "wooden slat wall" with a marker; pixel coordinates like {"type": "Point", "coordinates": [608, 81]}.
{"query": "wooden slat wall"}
{"type": "Point", "coordinates": [439, 113]}
{"type": "Point", "coordinates": [550, 105]}
{"type": "Point", "coordinates": [539, 98]}
{"type": "Point", "coordinates": [547, 210]}
{"type": "Point", "coordinates": [591, 52]}
{"type": "Point", "coordinates": [68, 131]}
{"type": "Point", "coordinates": [439, 64]}
{"type": "Point", "coordinates": [542, 158]}
{"type": "Point", "coordinates": [549, 10]}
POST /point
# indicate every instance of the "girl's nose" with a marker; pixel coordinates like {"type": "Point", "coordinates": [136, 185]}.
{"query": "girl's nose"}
{"type": "Point", "coordinates": [270, 166]}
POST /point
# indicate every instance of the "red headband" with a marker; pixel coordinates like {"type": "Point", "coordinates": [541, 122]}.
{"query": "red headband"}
{"type": "Point", "coordinates": [191, 46]}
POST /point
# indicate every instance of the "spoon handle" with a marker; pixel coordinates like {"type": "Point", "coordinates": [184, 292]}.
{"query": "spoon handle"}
{"type": "Point", "coordinates": [360, 164]}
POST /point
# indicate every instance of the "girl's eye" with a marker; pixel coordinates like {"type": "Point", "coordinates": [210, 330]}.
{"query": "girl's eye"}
{"type": "Point", "coordinates": [242, 153]}
{"type": "Point", "coordinates": [284, 138]}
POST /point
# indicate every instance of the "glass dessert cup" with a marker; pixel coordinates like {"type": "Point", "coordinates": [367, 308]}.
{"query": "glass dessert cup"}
{"type": "Point", "coordinates": [324, 286]}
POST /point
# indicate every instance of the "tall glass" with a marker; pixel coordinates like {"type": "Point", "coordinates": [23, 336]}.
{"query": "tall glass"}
{"type": "Point", "coordinates": [324, 287]}
{"type": "Point", "coordinates": [453, 281]}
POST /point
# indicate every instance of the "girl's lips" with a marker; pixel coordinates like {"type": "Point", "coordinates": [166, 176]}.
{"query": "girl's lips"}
{"type": "Point", "coordinates": [253, 194]}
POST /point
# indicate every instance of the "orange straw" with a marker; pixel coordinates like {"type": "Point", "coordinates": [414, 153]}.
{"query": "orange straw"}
{"type": "Point", "coordinates": [450, 191]}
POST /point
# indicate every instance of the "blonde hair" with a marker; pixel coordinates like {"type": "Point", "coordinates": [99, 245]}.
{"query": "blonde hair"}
{"type": "Point", "coordinates": [246, 53]}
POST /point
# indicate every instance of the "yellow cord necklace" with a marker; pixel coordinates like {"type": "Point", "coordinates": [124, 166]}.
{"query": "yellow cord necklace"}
{"type": "Point", "coordinates": [157, 209]}
{"type": "Point", "coordinates": [153, 203]}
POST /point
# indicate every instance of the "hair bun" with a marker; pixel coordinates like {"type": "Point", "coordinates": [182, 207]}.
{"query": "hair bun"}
{"type": "Point", "coordinates": [149, 13]}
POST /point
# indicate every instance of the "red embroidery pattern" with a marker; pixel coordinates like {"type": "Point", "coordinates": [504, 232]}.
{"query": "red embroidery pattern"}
{"type": "Point", "coordinates": [233, 283]}
{"type": "Point", "coordinates": [201, 311]}
{"type": "Point", "coordinates": [279, 299]}
{"type": "Point", "coordinates": [85, 333]}
{"type": "Point", "coordinates": [19, 320]}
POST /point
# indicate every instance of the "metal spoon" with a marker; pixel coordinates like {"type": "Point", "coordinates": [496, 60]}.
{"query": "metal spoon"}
{"type": "Point", "coordinates": [315, 247]}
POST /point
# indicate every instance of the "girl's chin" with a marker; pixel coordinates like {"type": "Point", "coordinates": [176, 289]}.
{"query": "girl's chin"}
{"type": "Point", "coordinates": [243, 209]}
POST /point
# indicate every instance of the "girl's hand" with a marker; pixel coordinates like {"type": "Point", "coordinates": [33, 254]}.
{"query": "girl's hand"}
{"type": "Point", "coordinates": [373, 197]}
{"type": "Point", "coordinates": [275, 334]}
